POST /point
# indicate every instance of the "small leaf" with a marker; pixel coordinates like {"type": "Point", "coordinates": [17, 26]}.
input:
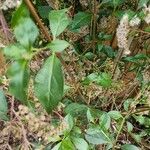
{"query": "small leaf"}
{"type": "Point", "coordinates": [58, 45]}
{"type": "Point", "coordinates": [49, 83]}
{"type": "Point", "coordinates": [105, 121]}
{"type": "Point", "coordinates": [15, 51]}
{"type": "Point", "coordinates": [3, 106]}
{"type": "Point", "coordinates": [129, 147]}
{"type": "Point", "coordinates": [43, 11]}
{"type": "Point", "coordinates": [69, 121]}
{"type": "Point", "coordinates": [26, 32]}
{"type": "Point", "coordinates": [80, 144]}
{"type": "Point", "coordinates": [89, 116]}
{"type": "Point", "coordinates": [66, 144]}
{"type": "Point", "coordinates": [129, 127]}
{"type": "Point", "coordinates": [115, 115]}
{"type": "Point", "coordinates": [81, 19]}
{"type": "Point", "coordinates": [19, 75]}
{"type": "Point", "coordinates": [104, 80]}
{"type": "Point", "coordinates": [75, 109]}
{"type": "Point", "coordinates": [95, 136]}
{"type": "Point", "coordinates": [58, 21]}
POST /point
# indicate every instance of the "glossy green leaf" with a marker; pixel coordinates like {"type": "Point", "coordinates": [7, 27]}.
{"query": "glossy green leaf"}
{"type": "Point", "coordinates": [21, 13]}
{"type": "Point", "coordinates": [49, 83]}
{"type": "Point", "coordinates": [129, 147]}
{"type": "Point", "coordinates": [3, 106]}
{"type": "Point", "coordinates": [15, 51]}
{"type": "Point", "coordinates": [95, 136]}
{"type": "Point", "coordinates": [81, 19]}
{"type": "Point", "coordinates": [58, 21]}
{"type": "Point", "coordinates": [58, 45]}
{"type": "Point", "coordinates": [115, 115]}
{"type": "Point", "coordinates": [19, 75]}
{"type": "Point", "coordinates": [80, 144]}
{"type": "Point", "coordinates": [26, 32]}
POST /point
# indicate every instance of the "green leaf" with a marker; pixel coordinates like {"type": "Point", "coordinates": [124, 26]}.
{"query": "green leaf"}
{"type": "Point", "coordinates": [21, 13]}
{"type": "Point", "coordinates": [26, 32]}
{"type": "Point", "coordinates": [15, 51]}
{"type": "Point", "coordinates": [69, 121]}
{"type": "Point", "coordinates": [57, 147]}
{"type": "Point", "coordinates": [58, 45]}
{"type": "Point", "coordinates": [19, 76]}
{"type": "Point", "coordinates": [142, 3]}
{"type": "Point", "coordinates": [49, 83]}
{"type": "Point", "coordinates": [95, 136]}
{"type": "Point", "coordinates": [129, 126]}
{"type": "Point", "coordinates": [81, 19]}
{"type": "Point", "coordinates": [43, 11]}
{"type": "Point", "coordinates": [3, 106]}
{"type": "Point", "coordinates": [104, 80]}
{"type": "Point", "coordinates": [129, 147]}
{"type": "Point", "coordinates": [80, 144]}
{"type": "Point", "coordinates": [66, 144]}
{"type": "Point", "coordinates": [75, 109]}
{"type": "Point", "coordinates": [58, 21]}
{"type": "Point", "coordinates": [115, 115]}
{"type": "Point", "coordinates": [105, 121]}
{"type": "Point", "coordinates": [89, 116]}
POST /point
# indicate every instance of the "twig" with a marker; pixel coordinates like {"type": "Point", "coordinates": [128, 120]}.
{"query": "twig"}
{"type": "Point", "coordinates": [38, 20]}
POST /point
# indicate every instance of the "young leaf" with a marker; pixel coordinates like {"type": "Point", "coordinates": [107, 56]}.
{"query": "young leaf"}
{"type": "Point", "coordinates": [115, 115]}
{"type": "Point", "coordinates": [3, 106]}
{"type": "Point", "coordinates": [49, 83]}
{"type": "Point", "coordinates": [58, 21]}
{"type": "Point", "coordinates": [129, 147]}
{"type": "Point", "coordinates": [81, 19]}
{"type": "Point", "coordinates": [19, 75]}
{"type": "Point", "coordinates": [95, 136]}
{"type": "Point", "coordinates": [26, 32]}
{"type": "Point", "coordinates": [80, 144]}
{"type": "Point", "coordinates": [58, 45]}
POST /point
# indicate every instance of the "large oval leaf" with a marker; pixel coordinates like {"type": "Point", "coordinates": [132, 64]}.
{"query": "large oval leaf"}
{"type": "Point", "coordinates": [49, 83]}
{"type": "Point", "coordinates": [19, 75]}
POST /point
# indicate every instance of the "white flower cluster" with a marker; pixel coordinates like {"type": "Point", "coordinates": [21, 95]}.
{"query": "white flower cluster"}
{"type": "Point", "coordinates": [8, 4]}
{"type": "Point", "coordinates": [122, 33]}
{"type": "Point", "coordinates": [147, 14]}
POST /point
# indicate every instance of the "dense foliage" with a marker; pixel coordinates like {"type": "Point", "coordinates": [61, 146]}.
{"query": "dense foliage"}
{"type": "Point", "coordinates": [76, 75]}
